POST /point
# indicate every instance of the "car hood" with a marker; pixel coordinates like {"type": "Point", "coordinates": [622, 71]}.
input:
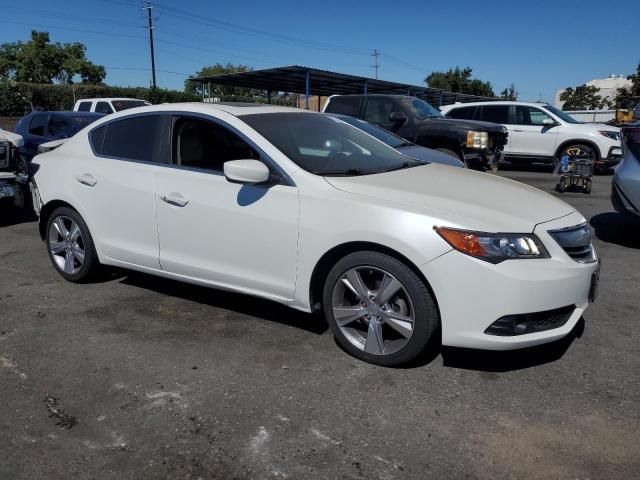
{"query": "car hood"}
{"type": "Point", "coordinates": [459, 197]}
{"type": "Point", "coordinates": [468, 124]}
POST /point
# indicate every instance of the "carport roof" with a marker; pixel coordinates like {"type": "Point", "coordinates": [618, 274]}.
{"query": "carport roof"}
{"type": "Point", "coordinates": [312, 81]}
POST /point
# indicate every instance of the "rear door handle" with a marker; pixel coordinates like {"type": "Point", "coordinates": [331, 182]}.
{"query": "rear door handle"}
{"type": "Point", "coordinates": [87, 179]}
{"type": "Point", "coordinates": [174, 199]}
{"type": "Point", "coordinates": [518, 130]}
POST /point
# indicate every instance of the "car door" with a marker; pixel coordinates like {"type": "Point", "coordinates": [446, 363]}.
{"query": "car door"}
{"type": "Point", "coordinates": [499, 114]}
{"type": "Point", "coordinates": [240, 236]}
{"type": "Point", "coordinates": [531, 137]}
{"type": "Point", "coordinates": [115, 183]}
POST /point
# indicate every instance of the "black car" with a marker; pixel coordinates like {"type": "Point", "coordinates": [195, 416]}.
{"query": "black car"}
{"type": "Point", "coordinates": [40, 127]}
{"type": "Point", "coordinates": [477, 144]}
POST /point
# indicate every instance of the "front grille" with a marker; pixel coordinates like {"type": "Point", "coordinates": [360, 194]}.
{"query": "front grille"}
{"type": "Point", "coordinates": [5, 154]}
{"type": "Point", "coordinates": [576, 241]}
{"type": "Point", "coordinates": [511, 325]}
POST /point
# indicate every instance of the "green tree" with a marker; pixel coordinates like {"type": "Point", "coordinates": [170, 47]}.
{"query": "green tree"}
{"type": "Point", "coordinates": [509, 93]}
{"type": "Point", "coordinates": [40, 61]}
{"type": "Point", "coordinates": [582, 97]}
{"type": "Point", "coordinates": [459, 81]}
{"type": "Point", "coordinates": [629, 97]}
{"type": "Point", "coordinates": [218, 90]}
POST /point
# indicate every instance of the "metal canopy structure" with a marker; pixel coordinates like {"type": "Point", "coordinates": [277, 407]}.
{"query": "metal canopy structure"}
{"type": "Point", "coordinates": [312, 81]}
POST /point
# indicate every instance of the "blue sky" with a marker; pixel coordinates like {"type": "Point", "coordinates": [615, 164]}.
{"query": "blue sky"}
{"type": "Point", "coordinates": [538, 45]}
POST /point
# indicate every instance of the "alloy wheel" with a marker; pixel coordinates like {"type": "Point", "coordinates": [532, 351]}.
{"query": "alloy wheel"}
{"type": "Point", "coordinates": [66, 245]}
{"type": "Point", "coordinates": [373, 310]}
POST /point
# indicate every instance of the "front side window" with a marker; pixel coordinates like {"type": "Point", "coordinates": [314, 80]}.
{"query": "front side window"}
{"type": "Point", "coordinates": [206, 145]}
{"type": "Point", "coordinates": [38, 125]}
{"type": "Point", "coordinates": [84, 107]}
{"type": "Point", "coordinates": [495, 113]}
{"type": "Point", "coordinates": [530, 116]}
{"type": "Point", "coordinates": [103, 107]}
{"type": "Point", "coordinates": [134, 138]}
{"type": "Point", "coordinates": [325, 145]}
{"type": "Point", "coordinates": [564, 116]}
{"type": "Point", "coordinates": [423, 109]}
{"type": "Point", "coordinates": [378, 110]}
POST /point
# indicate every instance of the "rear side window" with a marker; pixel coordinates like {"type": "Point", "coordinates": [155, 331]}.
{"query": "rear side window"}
{"type": "Point", "coordinates": [96, 137]}
{"type": "Point", "coordinates": [84, 107]}
{"type": "Point", "coordinates": [495, 113]}
{"type": "Point", "coordinates": [38, 124]}
{"type": "Point", "coordinates": [345, 106]}
{"type": "Point", "coordinates": [103, 107]}
{"type": "Point", "coordinates": [206, 145]}
{"type": "Point", "coordinates": [464, 113]}
{"type": "Point", "coordinates": [133, 138]}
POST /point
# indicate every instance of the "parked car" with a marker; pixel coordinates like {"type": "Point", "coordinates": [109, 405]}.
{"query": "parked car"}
{"type": "Point", "coordinates": [400, 144]}
{"type": "Point", "coordinates": [108, 105]}
{"type": "Point", "coordinates": [40, 127]}
{"type": "Point", "coordinates": [625, 191]}
{"type": "Point", "coordinates": [539, 132]}
{"type": "Point", "coordinates": [477, 144]}
{"type": "Point", "coordinates": [301, 209]}
{"type": "Point", "coordinates": [14, 174]}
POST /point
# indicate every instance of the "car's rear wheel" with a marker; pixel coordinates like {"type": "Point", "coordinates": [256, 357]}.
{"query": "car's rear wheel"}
{"type": "Point", "coordinates": [70, 245]}
{"type": "Point", "coordinates": [378, 309]}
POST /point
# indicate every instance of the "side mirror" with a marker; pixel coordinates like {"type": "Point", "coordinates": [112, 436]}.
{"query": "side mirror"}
{"type": "Point", "coordinates": [397, 117]}
{"type": "Point", "coordinates": [548, 122]}
{"type": "Point", "coordinates": [246, 171]}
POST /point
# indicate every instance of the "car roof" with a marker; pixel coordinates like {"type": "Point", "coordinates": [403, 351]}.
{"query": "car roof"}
{"type": "Point", "coordinates": [497, 102]}
{"type": "Point", "coordinates": [383, 95]}
{"type": "Point", "coordinates": [109, 99]}
{"type": "Point", "coordinates": [235, 109]}
{"type": "Point", "coordinates": [66, 114]}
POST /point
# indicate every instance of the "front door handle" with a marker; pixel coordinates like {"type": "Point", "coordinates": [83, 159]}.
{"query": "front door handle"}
{"type": "Point", "coordinates": [174, 199]}
{"type": "Point", "coordinates": [518, 130]}
{"type": "Point", "coordinates": [87, 179]}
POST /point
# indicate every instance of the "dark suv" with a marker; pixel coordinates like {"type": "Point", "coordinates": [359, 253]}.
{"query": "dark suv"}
{"type": "Point", "coordinates": [477, 144]}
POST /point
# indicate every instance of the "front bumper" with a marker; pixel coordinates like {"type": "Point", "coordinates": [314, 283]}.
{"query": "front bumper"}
{"type": "Point", "coordinates": [472, 294]}
{"type": "Point", "coordinates": [483, 157]}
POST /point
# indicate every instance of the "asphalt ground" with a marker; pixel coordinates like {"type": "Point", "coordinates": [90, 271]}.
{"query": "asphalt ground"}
{"type": "Point", "coordinates": [140, 377]}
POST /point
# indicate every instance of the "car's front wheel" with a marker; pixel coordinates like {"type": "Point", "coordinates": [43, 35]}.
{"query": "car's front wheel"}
{"type": "Point", "coordinates": [378, 309]}
{"type": "Point", "coordinates": [70, 245]}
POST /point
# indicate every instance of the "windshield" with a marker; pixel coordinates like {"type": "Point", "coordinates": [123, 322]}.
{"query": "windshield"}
{"type": "Point", "coordinates": [423, 109]}
{"type": "Point", "coordinates": [326, 145]}
{"type": "Point", "coordinates": [564, 116]}
{"type": "Point", "coordinates": [125, 104]}
{"type": "Point", "coordinates": [389, 138]}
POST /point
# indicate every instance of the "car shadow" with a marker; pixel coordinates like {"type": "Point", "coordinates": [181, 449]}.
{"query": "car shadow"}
{"type": "Point", "coordinates": [13, 216]}
{"type": "Point", "coordinates": [236, 302]}
{"type": "Point", "coordinates": [618, 228]}
{"type": "Point", "coordinates": [510, 360]}
{"type": "Point", "coordinates": [526, 167]}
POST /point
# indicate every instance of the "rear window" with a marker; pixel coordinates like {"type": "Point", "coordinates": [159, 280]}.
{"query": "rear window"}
{"type": "Point", "coordinates": [120, 105]}
{"type": "Point", "coordinates": [464, 113]}
{"type": "Point", "coordinates": [133, 138]}
{"type": "Point", "coordinates": [345, 105]}
{"type": "Point", "coordinates": [495, 113]}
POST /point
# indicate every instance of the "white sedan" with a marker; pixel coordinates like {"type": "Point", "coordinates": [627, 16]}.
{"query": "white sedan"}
{"type": "Point", "coordinates": [308, 211]}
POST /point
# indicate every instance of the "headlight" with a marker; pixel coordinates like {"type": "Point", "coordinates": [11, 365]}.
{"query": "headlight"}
{"type": "Point", "coordinates": [610, 134]}
{"type": "Point", "coordinates": [477, 139]}
{"type": "Point", "coordinates": [494, 247]}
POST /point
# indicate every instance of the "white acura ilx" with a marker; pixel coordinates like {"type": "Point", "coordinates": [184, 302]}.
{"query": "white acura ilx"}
{"type": "Point", "coordinates": [306, 210]}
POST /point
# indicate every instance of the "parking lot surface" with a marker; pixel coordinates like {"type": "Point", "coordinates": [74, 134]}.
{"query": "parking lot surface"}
{"type": "Point", "coordinates": [140, 377]}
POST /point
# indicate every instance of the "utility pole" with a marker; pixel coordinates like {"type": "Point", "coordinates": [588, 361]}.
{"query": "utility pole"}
{"type": "Point", "coordinates": [153, 57]}
{"type": "Point", "coordinates": [376, 65]}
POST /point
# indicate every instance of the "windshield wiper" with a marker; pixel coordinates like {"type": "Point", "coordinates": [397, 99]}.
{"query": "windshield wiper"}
{"type": "Point", "coordinates": [348, 173]}
{"type": "Point", "coordinates": [403, 165]}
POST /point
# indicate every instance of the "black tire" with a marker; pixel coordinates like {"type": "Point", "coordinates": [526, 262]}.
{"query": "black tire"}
{"type": "Point", "coordinates": [453, 154]}
{"type": "Point", "coordinates": [426, 321]}
{"type": "Point", "coordinates": [90, 266]}
{"type": "Point", "coordinates": [561, 186]}
{"type": "Point", "coordinates": [587, 186]}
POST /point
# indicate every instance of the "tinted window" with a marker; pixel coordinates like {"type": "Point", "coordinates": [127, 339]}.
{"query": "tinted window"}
{"type": "Point", "coordinates": [424, 109]}
{"type": "Point", "coordinates": [345, 105]}
{"type": "Point", "coordinates": [325, 145]}
{"type": "Point", "coordinates": [632, 140]}
{"type": "Point", "coordinates": [38, 124]}
{"type": "Point", "coordinates": [103, 107]}
{"type": "Point", "coordinates": [203, 144]}
{"type": "Point", "coordinates": [59, 127]}
{"type": "Point", "coordinates": [120, 105]}
{"type": "Point", "coordinates": [96, 137]}
{"type": "Point", "coordinates": [464, 113]}
{"type": "Point", "coordinates": [530, 116]}
{"type": "Point", "coordinates": [380, 133]}
{"type": "Point", "coordinates": [134, 138]}
{"type": "Point", "coordinates": [495, 113]}
{"type": "Point", "coordinates": [84, 107]}
{"type": "Point", "coordinates": [377, 110]}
